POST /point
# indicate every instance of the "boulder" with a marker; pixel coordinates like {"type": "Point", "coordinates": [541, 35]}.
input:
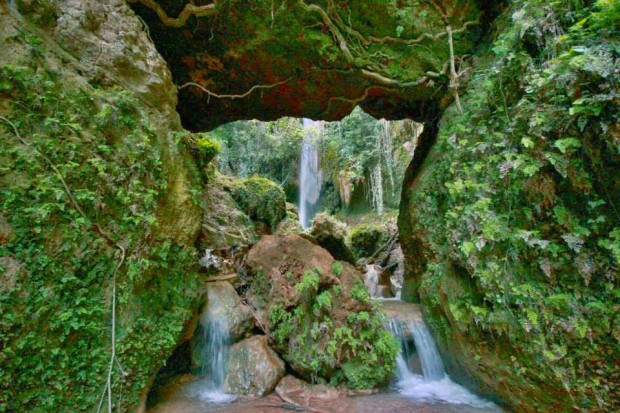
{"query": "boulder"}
{"type": "Point", "coordinates": [366, 239]}
{"type": "Point", "coordinates": [262, 200]}
{"type": "Point", "coordinates": [319, 313]}
{"type": "Point", "coordinates": [224, 224]}
{"type": "Point", "coordinates": [292, 389]}
{"type": "Point", "coordinates": [254, 368]}
{"type": "Point", "coordinates": [331, 234]}
{"type": "Point", "coordinates": [283, 261]}
{"type": "Point", "coordinates": [239, 315]}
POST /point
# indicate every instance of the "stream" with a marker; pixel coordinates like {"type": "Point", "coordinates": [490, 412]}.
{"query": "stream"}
{"type": "Point", "coordinates": [420, 385]}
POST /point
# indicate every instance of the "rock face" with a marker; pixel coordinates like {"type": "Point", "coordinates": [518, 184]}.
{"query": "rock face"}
{"type": "Point", "coordinates": [506, 256]}
{"type": "Point", "coordinates": [90, 69]}
{"type": "Point", "coordinates": [254, 368]}
{"type": "Point", "coordinates": [332, 235]}
{"type": "Point", "coordinates": [310, 303]}
{"type": "Point", "coordinates": [317, 61]}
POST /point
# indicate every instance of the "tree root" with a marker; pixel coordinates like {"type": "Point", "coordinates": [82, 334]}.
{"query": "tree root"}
{"type": "Point", "coordinates": [228, 96]}
{"type": "Point", "coordinates": [188, 11]}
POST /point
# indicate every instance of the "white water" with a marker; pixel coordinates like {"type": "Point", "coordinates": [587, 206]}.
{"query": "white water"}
{"type": "Point", "coordinates": [212, 352]}
{"type": "Point", "coordinates": [310, 176]}
{"type": "Point", "coordinates": [433, 385]}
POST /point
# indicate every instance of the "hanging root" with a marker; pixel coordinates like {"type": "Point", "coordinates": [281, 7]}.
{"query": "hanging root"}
{"type": "Point", "coordinates": [240, 96]}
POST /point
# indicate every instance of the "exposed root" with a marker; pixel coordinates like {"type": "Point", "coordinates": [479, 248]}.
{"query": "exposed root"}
{"type": "Point", "coordinates": [229, 96]}
{"type": "Point", "coordinates": [188, 11]}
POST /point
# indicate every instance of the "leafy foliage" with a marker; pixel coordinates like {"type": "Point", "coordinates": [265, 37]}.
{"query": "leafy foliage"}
{"type": "Point", "coordinates": [356, 350]}
{"type": "Point", "coordinates": [55, 318]}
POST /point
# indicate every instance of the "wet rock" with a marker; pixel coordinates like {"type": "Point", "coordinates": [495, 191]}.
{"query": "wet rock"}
{"type": "Point", "coordinates": [254, 368]}
{"type": "Point", "coordinates": [331, 234]}
{"type": "Point", "coordinates": [292, 389]}
{"type": "Point", "coordinates": [405, 313]}
{"type": "Point", "coordinates": [239, 315]}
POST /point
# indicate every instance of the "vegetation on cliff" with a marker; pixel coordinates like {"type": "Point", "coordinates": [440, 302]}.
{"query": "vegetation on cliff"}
{"type": "Point", "coordinates": [516, 211]}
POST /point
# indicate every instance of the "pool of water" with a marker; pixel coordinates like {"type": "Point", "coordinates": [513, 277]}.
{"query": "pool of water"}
{"type": "Point", "coordinates": [419, 397]}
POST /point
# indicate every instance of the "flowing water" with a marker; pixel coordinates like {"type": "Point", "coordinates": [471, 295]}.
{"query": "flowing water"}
{"type": "Point", "coordinates": [310, 176]}
{"type": "Point", "coordinates": [211, 353]}
{"type": "Point", "coordinates": [422, 389]}
{"type": "Point", "coordinates": [433, 385]}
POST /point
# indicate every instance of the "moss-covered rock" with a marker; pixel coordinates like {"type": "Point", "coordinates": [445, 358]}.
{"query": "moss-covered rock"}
{"type": "Point", "coordinates": [89, 164]}
{"type": "Point", "coordinates": [331, 234]}
{"type": "Point", "coordinates": [510, 229]}
{"type": "Point", "coordinates": [366, 239]}
{"type": "Point", "coordinates": [319, 314]}
{"type": "Point", "coordinates": [261, 199]}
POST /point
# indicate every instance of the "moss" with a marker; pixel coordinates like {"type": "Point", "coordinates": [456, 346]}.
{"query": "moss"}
{"type": "Point", "coordinates": [261, 199]}
{"type": "Point", "coordinates": [366, 239]}
{"type": "Point", "coordinates": [55, 323]}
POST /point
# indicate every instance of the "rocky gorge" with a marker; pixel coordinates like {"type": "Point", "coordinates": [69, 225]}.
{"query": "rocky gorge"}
{"type": "Point", "coordinates": [121, 242]}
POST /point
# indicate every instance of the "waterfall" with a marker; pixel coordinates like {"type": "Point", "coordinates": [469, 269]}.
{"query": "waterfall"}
{"type": "Point", "coordinates": [432, 366]}
{"type": "Point", "coordinates": [211, 351]}
{"type": "Point", "coordinates": [433, 385]}
{"type": "Point", "coordinates": [310, 177]}
{"type": "Point", "coordinates": [376, 188]}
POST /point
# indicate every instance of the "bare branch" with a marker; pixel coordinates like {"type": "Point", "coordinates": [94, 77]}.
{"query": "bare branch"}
{"type": "Point", "coordinates": [188, 11]}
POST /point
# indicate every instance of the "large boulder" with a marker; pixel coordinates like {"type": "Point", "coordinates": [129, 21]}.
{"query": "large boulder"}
{"type": "Point", "coordinates": [319, 313]}
{"type": "Point", "coordinates": [254, 368]}
{"type": "Point", "coordinates": [262, 200]}
{"type": "Point", "coordinates": [224, 224]}
{"type": "Point", "coordinates": [331, 234]}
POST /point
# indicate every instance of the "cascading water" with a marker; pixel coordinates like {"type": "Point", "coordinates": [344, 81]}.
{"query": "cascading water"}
{"type": "Point", "coordinates": [211, 352]}
{"type": "Point", "coordinates": [310, 176]}
{"type": "Point", "coordinates": [433, 385]}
